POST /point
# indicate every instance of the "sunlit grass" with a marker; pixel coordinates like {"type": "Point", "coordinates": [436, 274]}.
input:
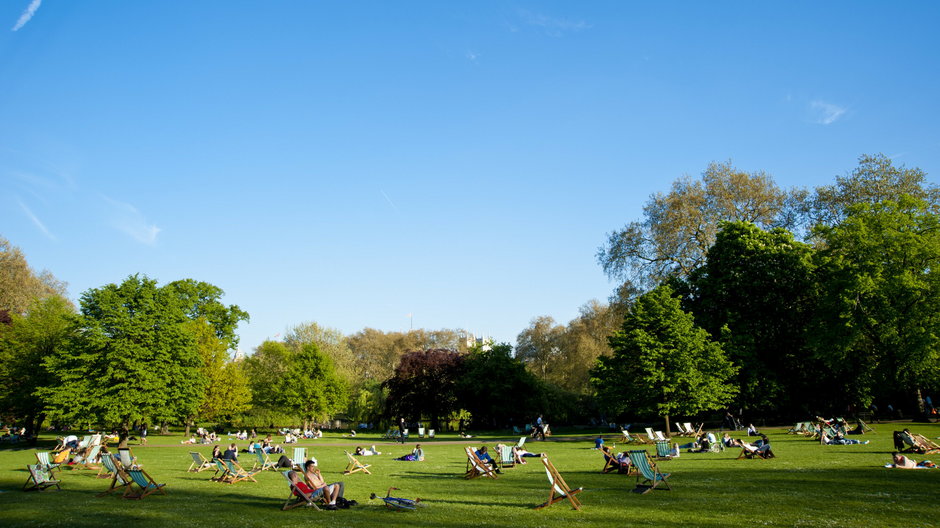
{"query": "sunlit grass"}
{"type": "Point", "coordinates": [806, 485]}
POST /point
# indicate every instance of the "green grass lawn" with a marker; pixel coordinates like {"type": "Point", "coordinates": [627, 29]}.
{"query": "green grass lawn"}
{"type": "Point", "coordinates": [806, 485]}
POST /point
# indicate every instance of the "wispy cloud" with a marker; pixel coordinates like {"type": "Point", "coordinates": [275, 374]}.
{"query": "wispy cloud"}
{"type": "Point", "coordinates": [472, 56]}
{"type": "Point", "coordinates": [552, 26]}
{"type": "Point", "coordinates": [35, 219]}
{"type": "Point", "coordinates": [827, 113]}
{"type": "Point", "coordinates": [27, 14]}
{"type": "Point", "coordinates": [127, 218]}
{"type": "Point", "coordinates": [390, 202]}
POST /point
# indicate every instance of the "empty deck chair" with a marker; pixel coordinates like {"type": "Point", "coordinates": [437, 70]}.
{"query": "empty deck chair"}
{"type": "Point", "coordinates": [45, 460]}
{"type": "Point", "coordinates": [120, 480]}
{"type": "Point", "coordinates": [681, 429]}
{"type": "Point", "coordinates": [263, 461]}
{"type": "Point", "coordinates": [39, 479]}
{"type": "Point", "coordinates": [145, 485]}
{"type": "Point", "coordinates": [128, 460]}
{"type": "Point", "coordinates": [355, 465]}
{"type": "Point", "coordinates": [237, 473]}
{"type": "Point", "coordinates": [200, 463]}
{"type": "Point", "coordinates": [300, 456]}
{"type": "Point", "coordinates": [558, 488]}
{"type": "Point", "coordinates": [647, 471]}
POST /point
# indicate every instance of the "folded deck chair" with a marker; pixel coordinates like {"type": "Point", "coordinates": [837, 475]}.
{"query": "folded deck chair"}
{"type": "Point", "coordinates": [300, 456]}
{"type": "Point", "coordinates": [39, 479]}
{"type": "Point", "coordinates": [46, 462]}
{"type": "Point", "coordinates": [663, 450]}
{"type": "Point", "coordinates": [298, 498]}
{"type": "Point", "coordinates": [200, 463]}
{"type": "Point", "coordinates": [559, 489]}
{"type": "Point", "coordinates": [145, 485]}
{"type": "Point", "coordinates": [647, 471]}
{"type": "Point", "coordinates": [506, 458]}
{"type": "Point", "coordinates": [238, 473]}
{"type": "Point", "coordinates": [120, 480]}
{"type": "Point", "coordinates": [263, 461]}
{"type": "Point", "coordinates": [355, 465]}
{"type": "Point", "coordinates": [476, 467]}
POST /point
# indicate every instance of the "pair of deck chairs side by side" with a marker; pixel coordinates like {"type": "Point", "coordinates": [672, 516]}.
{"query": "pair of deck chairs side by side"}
{"type": "Point", "coordinates": [230, 472]}
{"type": "Point", "coordinates": [558, 488]}
{"type": "Point", "coordinates": [476, 467]}
{"type": "Point", "coordinates": [132, 483]}
{"type": "Point", "coordinates": [649, 477]}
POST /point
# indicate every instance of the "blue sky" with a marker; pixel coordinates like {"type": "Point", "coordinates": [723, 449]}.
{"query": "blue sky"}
{"type": "Point", "coordinates": [352, 163]}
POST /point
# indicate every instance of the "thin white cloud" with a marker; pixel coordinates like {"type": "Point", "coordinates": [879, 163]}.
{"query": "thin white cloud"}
{"type": "Point", "coordinates": [36, 221]}
{"type": "Point", "coordinates": [472, 56]}
{"type": "Point", "coordinates": [127, 218]}
{"type": "Point", "coordinates": [552, 26]}
{"type": "Point", "coordinates": [27, 14]}
{"type": "Point", "coordinates": [390, 202]}
{"type": "Point", "coordinates": [827, 113]}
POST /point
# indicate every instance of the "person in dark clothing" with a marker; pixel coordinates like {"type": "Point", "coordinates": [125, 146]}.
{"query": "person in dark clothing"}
{"type": "Point", "coordinates": [231, 453]}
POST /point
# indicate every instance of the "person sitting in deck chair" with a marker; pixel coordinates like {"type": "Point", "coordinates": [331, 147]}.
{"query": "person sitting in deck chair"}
{"type": "Point", "coordinates": [487, 459]}
{"type": "Point", "coordinates": [333, 492]}
{"type": "Point", "coordinates": [731, 442]}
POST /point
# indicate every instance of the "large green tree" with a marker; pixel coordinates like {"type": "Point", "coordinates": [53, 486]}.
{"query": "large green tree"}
{"type": "Point", "coordinates": [47, 328]}
{"type": "Point", "coordinates": [203, 300]}
{"type": "Point", "coordinates": [879, 322]}
{"type": "Point", "coordinates": [662, 363]}
{"type": "Point", "coordinates": [424, 385]}
{"type": "Point", "coordinates": [761, 285]}
{"type": "Point", "coordinates": [135, 360]}
{"type": "Point", "coordinates": [680, 226]}
{"type": "Point", "coordinates": [310, 388]}
{"type": "Point", "coordinates": [19, 284]}
{"type": "Point", "coordinates": [496, 387]}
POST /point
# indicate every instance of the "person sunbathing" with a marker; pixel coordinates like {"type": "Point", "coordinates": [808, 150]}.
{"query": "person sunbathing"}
{"type": "Point", "coordinates": [417, 455]}
{"type": "Point", "coordinates": [332, 492]}
{"type": "Point", "coordinates": [838, 439]}
{"type": "Point", "coordinates": [520, 453]}
{"type": "Point", "coordinates": [902, 462]}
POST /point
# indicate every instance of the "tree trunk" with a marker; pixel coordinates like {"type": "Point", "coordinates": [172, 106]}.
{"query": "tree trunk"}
{"type": "Point", "coordinates": [123, 434]}
{"type": "Point", "coordinates": [668, 431]}
{"type": "Point", "coordinates": [188, 424]}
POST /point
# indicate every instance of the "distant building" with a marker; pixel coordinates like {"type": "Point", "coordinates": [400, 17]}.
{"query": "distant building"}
{"type": "Point", "coordinates": [482, 341]}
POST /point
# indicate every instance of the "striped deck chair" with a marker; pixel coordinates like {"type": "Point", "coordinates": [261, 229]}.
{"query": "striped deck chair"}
{"type": "Point", "coordinates": [200, 463]}
{"type": "Point", "coordinates": [89, 460]}
{"type": "Point", "coordinates": [300, 456]}
{"type": "Point", "coordinates": [238, 473]}
{"type": "Point", "coordinates": [647, 471]}
{"type": "Point", "coordinates": [663, 450]}
{"type": "Point", "coordinates": [506, 457]}
{"type": "Point", "coordinates": [107, 466]}
{"type": "Point", "coordinates": [45, 461]}
{"type": "Point", "coordinates": [40, 478]}
{"type": "Point", "coordinates": [263, 462]}
{"type": "Point", "coordinates": [681, 430]}
{"type": "Point", "coordinates": [298, 498]}
{"type": "Point", "coordinates": [355, 465]}
{"type": "Point", "coordinates": [146, 486]}
{"type": "Point", "coordinates": [120, 481]}
{"type": "Point", "coordinates": [559, 489]}
{"type": "Point", "coordinates": [476, 467]}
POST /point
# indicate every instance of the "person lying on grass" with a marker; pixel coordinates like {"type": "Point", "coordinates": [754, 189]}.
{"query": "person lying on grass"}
{"type": "Point", "coordinates": [838, 439]}
{"type": "Point", "coordinates": [417, 455]}
{"type": "Point", "coordinates": [902, 462]}
{"type": "Point", "coordinates": [366, 452]}
{"type": "Point", "coordinates": [520, 453]}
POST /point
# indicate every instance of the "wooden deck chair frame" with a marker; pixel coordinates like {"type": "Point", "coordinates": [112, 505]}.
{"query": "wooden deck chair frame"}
{"type": "Point", "coordinates": [298, 497]}
{"type": "Point", "coordinates": [120, 480]}
{"type": "Point", "coordinates": [264, 461]}
{"type": "Point", "coordinates": [558, 488]}
{"type": "Point", "coordinates": [238, 473]}
{"type": "Point", "coordinates": [749, 454]}
{"type": "Point", "coordinates": [221, 467]}
{"type": "Point", "coordinates": [45, 460]}
{"type": "Point", "coordinates": [694, 431]}
{"type": "Point", "coordinates": [41, 479]}
{"type": "Point", "coordinates": [648, 472]}
{"type": "Point", "coordinates": [927, 445]}
{"type": "Point", "coordinates": [681, 429]}
{"type": "Point", "coordinates": [354, 465]}
{"type": "Point", "coordinates": [521, 443]}
{"type": "Point", "coordinates": [146, 486]}
{"type": "Point", "coordinates": [612, 464]}
{"type": "Point", "coordinates": [476, 467]}
{"type": "Point", "coordinates": [107, 465]}
{"type": "Point", "coordinates": [200, 463]}
{"type": "Point", "coordinates": [89, 460]}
